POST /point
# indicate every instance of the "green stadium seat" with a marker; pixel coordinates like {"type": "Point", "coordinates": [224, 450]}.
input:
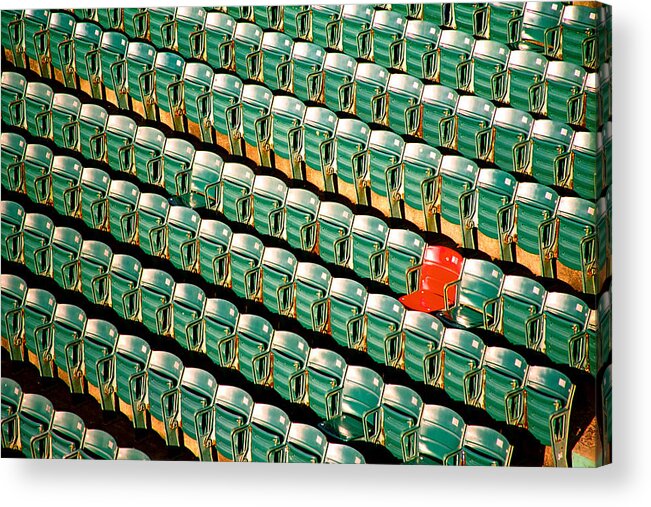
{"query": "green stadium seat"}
{"type": "Point", "coordinates": [163, 395]}
{"type": "Point", "coordinates": [233, 411]}
{"type": "Point", "coordinates": [93, 120]}
{"type": "Point", "coordinates": [589, 164]}
{"type": "Point", "coordinates": [319, 125]}
{"type": "Point", "coordinates": [198, 392]}
{"type": "Point", "coordinates": [123, 200]}
{"type": "Point", "coordinates": [549, 396]}
{"type": "Point", "coordinates": [65, 120]}
{"type": "Point", "coordinates": [503, 22]}
{"type": "Point", "coordinates": [69, 328]}
{"type": "Point", "coordinates": [273, 60]}
{"type": "Point", "coordinates": [356, 22]}
{"type": "Point", "coordinates": [128, 453]}
{"type": "Point", "coordinates": [183, 238]}
{"type": "Point", "coordinates": [504, 372]}
{"type": "Point", "coordinates": [219, 39]}
{"type": "Point", "coordinates": [458, 181]}
{"type": "Point", "coordinates": [402, 410]}
{"type": "Point", "coordinates": [382, 171]}
{"type": "Point", "coordinates": [66, 251]}
{"type": "Point", "coordinates": [464, 17]}
{"type": "Point", "coordinates": [86, 14]}
{"type": "Point", "coordinates": [153, 213]}
{"type": "Point", "coordinates": [278, 281]}
{"type": "Point", "coordinates": [561, 330]}
{"type": "Point", "coordinates": [605, 330]}
{"type": "Point", "coordinates": [311, 287]}
{"type": "Point", "coordinates": [579, 222]}
{"type": "Point", "coordinates": [269, 432]}
{"type": "Point", "coordinates": [485, 447]}
{"type": "Point", "coordinates": [37, 241]}
{"type": "Point", "coordinates": [423, 337]}
{"type": "Point", "coordinates": [13, 36]}
{"type": "Point", "coordinates": [140, 59]}
{"type": "Point", "coordinates": [14, 86]}
{"type": "Point", "coordinates": [60, 32]}
{"type": "Point", "coordinates": [326, 371]}
{"type": "Point", "coordinates": [488, 59]}
{"type": "Point", "coordinates": [525, 224]}
{"type": "Point", "coordinates": [307, 71]}
{"type": "Point", "coordinates": [335, 226]}
{"type": "Point", "coordinates": [539, 18]}
{"type": "Point", "coordinates": [479, 282]}
{"type": "Point", "coordinates": [241, 13]}
{"type": "Point", "coordinates": [463, 354]}
{"type": "Point", "coordinates": [120, 137]}
{"type": "Point", "coordinates": [12, 396]}
{"type": "Point", "coordinates": [371, 90]}
{"type": "Point", "coordinates": [204, 183]}
{"type": "Point", "coordinates": [136, 22]}
{"type": "Point", "coordinates": [564, 88]}
{"type": "Point", "coordinates": [98, 445]}
{"type": "Point", "coordinates": [100, 341]}
{"type": "Point", "coordinates": [420, 184]}
{"type": "Point", "coordinates": [388, 40]}
{"type": "Point", "coordinates": [66, 185]}
{"type": "Point", "coordinates": [255, 107]}
{"type": "Point", "coordinates": [285, 133]}
{"type": "Point", "coordinates": [168, 82]}
{"type": "Point", "coordinates": [214, 246]}
{"type": "Point", "coordinates": [421, 55]}
{"type": "Point", "coordinates": [338, 81]}
{"type": "Point", "coordinates": [113, 56]}
{"type": "Point", "coordinates": [13, 221]}
{"type": "Point", "coordinates": [35, 415]}
{"type": "Point", "coordinates": [384, 336]}
{"type": "Point", "coordinates": [347, 155]}
{"type": "Point", "coordinates": [38, 106]}
{"type": "Point", "coordinates": [472, 115]}
{"type": "Point", "coordinates": [297, 21]}
{"type": "Point", "coordinates": [88, 66]}
{"type": "Point", "coordinates": [94, 263]}
{"type": "Point", "coordinates": [131, 361]}
{"type": "Point", "coordinates": [227, 112]}
{"type": "Point", "coordinates": [494, 189]}
{"type": "Point", "coordinates": [189, 327]}
{"type": "Point", "coordinates": [156, 289]}
{"type": "Point", "coordinates": [580, 36]}
{"type": "Point", "coordinates": [268, 16]}
{"type": "Point", "coordinates": [220, 345]}
{"type": "Point", "coordinates": [343, 455]}
{"type": "Point", "coordinates": [198, 99]}
{"type": "Point", "coordinates": [360, 417]}
{"type": "Point", "coordinates": [162, 27]}
{"type": "Point", "coordinates": [190, 26]}
{"type": "Point", "coordinates": [245, 254]}
{"type": "Point", "coordinates": [290, 355]}
{"type": "Point", "coordinates": [125, 273]}
{"type": "Point", "coordinates": [404, 96]}
{"type": "Point", "coordinates": [301, 212]}
{"type": "Point", "coordinates": [405, 251]}
{"type": "Point", "coordinates": [440, 436]}
{"type": "Point", "coordinates": [522, 84]}
{"type": "Point", "coordinates": [14, 294]}
{"type": "Point", "coordinates": [326, 25]}
{"type": "Point", "coordinates": [247, 42]}
{"type": "Point", "coordinates": [306, 444]}
{"type": "Point", "coordinates": [254, 335]}
{"type": "Point", "coordinates": [439, 106]}
{"type": "Point", "coordinates": [111, 18]}
{"type": "Point", "coordinates": [95, 185]}
{"type": "Point", "coordinates": [505, 141]}
{"type": "Point", "coordinates": [596, 110]}
{"type": "Point", "coordinates": [14, 148]}
{"type": "Point", "coordinates": [68, 432]}
{"type": "Point", "coordinates": [347, 312]}
{"type": "Point", "coordinates": [454, 48]}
